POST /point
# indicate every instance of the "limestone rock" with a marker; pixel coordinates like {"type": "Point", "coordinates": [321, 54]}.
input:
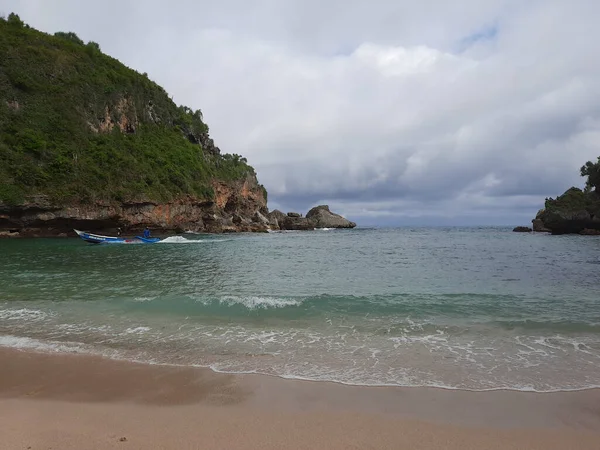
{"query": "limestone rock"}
{"type": "Point", "coordinates": [234, 208]}
{"type": "Point", "coordinates": [590, 232]}
{"type": "Point", "coordinates": [522, 230]}
{"type": "Point", "coordinates": [538, 225]}
{"type": "Point", "coordinates": [259, 218]}
{"type": "Point", "coordinates": [296, 223]}
{"type": "Point", "coordinates": [566, 221]}
{"type": "Point", "coordinates": [275, 218]}
{"type": "Point", "coordinates": [322, 217]}
{"type": "Point", "coordinates": [572, 212]}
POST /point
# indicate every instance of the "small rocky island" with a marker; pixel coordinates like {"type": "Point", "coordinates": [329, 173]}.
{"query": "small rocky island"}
{"type": "Point", "coordinates": [317, 217]}
{"type": "Point", "coordinates": [576, 211]}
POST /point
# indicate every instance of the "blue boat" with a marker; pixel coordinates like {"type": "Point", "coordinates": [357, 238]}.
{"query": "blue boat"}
{"type": "Point", "coordinates": [100, 239]}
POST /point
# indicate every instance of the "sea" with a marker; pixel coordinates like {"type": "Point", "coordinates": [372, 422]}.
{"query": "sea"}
{"type": "Point", "coordinates": [459, 308]}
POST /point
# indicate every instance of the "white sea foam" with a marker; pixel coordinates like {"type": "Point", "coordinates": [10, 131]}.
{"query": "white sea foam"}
{"type": "Point", "coordinates": [264, 352]}
{"type": "Point", "coordinates": [143, 299]}
{"type": "Point", "coordinates": [137, 330]}
{"type": "Point", "coordinates": [26, 343]}
{"type": "Point", "coordinates": [183, 240]}
{"type": "Point", "coordinates": [345, 351]}
{"type": "Point", "coordinates": [257, 302]}
{"type": "Point", "coordinates": [83, 328]}
{"type": "Point", "coordinates": [23, 314]}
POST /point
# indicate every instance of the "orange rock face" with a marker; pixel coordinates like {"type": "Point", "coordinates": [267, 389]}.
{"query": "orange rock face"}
{"type": "Point", "coordinates": [237, 206]}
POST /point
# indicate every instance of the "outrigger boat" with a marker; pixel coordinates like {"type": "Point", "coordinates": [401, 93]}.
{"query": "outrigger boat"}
{"type": "Point", "coordinates": [99, 239]}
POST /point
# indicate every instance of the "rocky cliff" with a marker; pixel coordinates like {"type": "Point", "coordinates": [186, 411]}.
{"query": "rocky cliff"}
{"type": "Point", "coordinates": [86, 142]}
{"type": "Point", "coordinates": [237, 206]}
{"type": "Point", "coordinates": [573, 212]}
{"type": "Point", "coordinates": [577, 211]}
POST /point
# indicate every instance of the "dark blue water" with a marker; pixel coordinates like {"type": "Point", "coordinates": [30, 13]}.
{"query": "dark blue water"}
{"type": "Point", "coordinates": [469, 308]}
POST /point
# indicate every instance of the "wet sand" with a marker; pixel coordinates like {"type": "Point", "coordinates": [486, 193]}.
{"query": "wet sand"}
{"type": "Point", "coordinates": [84, 402]}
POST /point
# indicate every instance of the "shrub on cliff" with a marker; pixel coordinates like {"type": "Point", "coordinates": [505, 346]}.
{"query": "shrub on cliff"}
{"type": "Point", "coordinates": [14, 20]}
{"type": "Point", "coordinates": [592, 171]}
{"type": "Point", "coordinates": [70, 36]}
{"type": "Point", "coordinates": [77, 125]}
{"type": "Point", "coordinates": [574, 199]}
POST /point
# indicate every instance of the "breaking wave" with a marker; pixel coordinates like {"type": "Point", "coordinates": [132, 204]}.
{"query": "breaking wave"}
{"type": "Point", "coordinates": [183, 240]}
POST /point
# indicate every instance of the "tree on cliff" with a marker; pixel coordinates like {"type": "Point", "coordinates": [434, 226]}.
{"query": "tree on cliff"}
{"type": "Point", "coordinates": [14, 20]}
{"type": "Point", "coordinates": [69, 36]}
{"type": "Point", "coordinates": [592, 171]}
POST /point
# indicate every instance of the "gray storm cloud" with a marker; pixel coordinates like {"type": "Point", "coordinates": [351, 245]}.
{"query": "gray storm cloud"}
{"type": "Point", "coordinates": [390, 111]}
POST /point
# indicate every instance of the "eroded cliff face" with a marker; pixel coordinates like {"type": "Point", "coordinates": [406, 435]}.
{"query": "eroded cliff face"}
{"type": "Point", "coordinates": [237, 206]}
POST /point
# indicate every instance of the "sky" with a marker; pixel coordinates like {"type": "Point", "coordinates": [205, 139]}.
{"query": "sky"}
{"type": "Point", "coordinates": [393, 112]}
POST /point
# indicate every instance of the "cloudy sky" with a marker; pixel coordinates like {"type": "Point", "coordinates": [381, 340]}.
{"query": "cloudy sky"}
{"type": "Point", "coordinates": [391, 111]}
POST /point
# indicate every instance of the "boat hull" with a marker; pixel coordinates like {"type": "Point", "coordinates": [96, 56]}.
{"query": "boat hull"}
{"type": "Point", "coordinates": [100, 239]}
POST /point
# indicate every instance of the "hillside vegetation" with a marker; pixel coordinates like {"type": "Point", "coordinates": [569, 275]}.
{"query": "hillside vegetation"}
{"type": "Point", "coordinates": [77, 125]}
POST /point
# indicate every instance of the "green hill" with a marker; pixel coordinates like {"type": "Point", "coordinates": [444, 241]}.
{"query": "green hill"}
{"type": "Point", "coordinates": [79, 126]}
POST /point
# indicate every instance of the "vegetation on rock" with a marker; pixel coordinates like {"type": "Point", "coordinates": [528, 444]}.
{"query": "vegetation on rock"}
{"type": "Point", "coordinates": [592, 171]}
{"type": "Point", "coordinates": [574, 199]}
{"type": "Point", "coordinates": [576, 210]}
{"type": "Point", "coordinates": [77, 125]}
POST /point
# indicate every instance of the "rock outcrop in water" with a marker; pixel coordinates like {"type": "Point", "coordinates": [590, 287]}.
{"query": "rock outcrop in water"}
{"type": "Point", "coordinates": [574, 212]}
{"type": "Point", "coordinates": [317, 217]}
{"type": "Point", "coordinates": [322, 217]}
{"type": "Point", "coordinates": [522, 230]}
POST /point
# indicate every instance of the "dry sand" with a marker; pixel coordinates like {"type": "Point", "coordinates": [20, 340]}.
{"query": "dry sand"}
{"type": "Point", "coordinates": [83, 402]}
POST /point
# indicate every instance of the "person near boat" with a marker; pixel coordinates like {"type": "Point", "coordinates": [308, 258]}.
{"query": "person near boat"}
{"type": "Point", "coordinates": [147, 233]}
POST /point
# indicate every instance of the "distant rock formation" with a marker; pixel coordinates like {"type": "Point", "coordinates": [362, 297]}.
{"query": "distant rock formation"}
{"type": "Point", "coordinates": [322, 217]}
{"type": "Point", "coordinates": [538, 223]}
{"type": "Point", "coordinates": [588, 232]}
{"type": "Point", "coordinates": [522, 230]}
{"type": "Point", "coordinates": [296, 223]}
{"type": "Point", "coordinates": [574, 212]}
{"type": "Point", "coordinates": [275, 218]}
{"type": "Point", "coordinates": [317, 217]}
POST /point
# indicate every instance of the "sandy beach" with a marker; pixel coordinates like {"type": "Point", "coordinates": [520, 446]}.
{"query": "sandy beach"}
{"type": "Point", "coordinates": [52, 401]}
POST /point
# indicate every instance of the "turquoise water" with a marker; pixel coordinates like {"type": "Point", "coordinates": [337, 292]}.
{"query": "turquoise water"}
{"type": "Point", "coordinates": [465, 308]}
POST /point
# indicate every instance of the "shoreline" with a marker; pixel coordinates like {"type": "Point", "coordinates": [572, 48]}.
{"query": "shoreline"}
{"type": "Point", "coordinates": [88, 399]}
{"type": "Point", "coordinates": [266, 387]}
{"type": "Point", "coordinates": [43, 348]}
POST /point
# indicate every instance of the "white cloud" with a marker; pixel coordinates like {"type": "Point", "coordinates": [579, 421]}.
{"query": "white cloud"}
{"type": "Point", "coordinates": [466, 109]}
